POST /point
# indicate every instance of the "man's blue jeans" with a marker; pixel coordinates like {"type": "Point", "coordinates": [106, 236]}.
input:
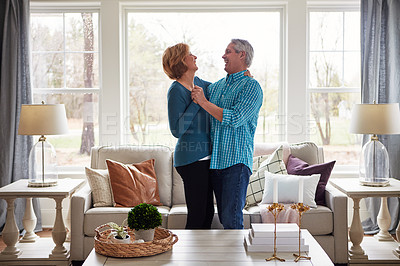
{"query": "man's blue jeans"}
{"type": "Point", "coordinates": [230, 187]}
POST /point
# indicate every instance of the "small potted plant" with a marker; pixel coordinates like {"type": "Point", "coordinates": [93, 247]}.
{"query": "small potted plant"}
{"type": "Point", "coordinates": [144, 218]}
{"type": "Point", "coordinates": [119, 233]}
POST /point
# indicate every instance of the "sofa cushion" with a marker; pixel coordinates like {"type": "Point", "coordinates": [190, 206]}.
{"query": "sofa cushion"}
{"type": "Point", "coordinates": [131, 186]}
{"type": "Point", "coordinates": [269, 148]}
{"type": "Point", "coordinates": [134, 154]}
{"type": "Point", "coordinates": [178, 214]}
{"type": "Point", "coordinates": [318, 221]}
{"type": "Point", "coordinates": [95, 217]}
{"type": "Point", "coordinates": [178, 192]}
{"type": "Point", "coordinates": [307, 151]}
{"type": "Point", "coordinates": [297, 166]}
{"type": "Point", "coordinates": [99, 182]}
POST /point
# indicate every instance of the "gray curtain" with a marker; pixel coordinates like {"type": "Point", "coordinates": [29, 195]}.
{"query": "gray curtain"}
{"type": "Point", "coordinates": [15, 90]}
{"type": "Point", "coordinates": [380, 81]}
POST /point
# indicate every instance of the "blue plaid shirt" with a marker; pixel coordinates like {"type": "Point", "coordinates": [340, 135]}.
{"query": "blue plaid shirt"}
{"type": "Point", "coordinates": [233, 138]}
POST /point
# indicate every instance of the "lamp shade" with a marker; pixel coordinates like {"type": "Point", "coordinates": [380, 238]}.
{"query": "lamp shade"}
{"type": "Point", "coordinates": [43, 119]}
{"type": "Point", "coordinates": [379, 119]}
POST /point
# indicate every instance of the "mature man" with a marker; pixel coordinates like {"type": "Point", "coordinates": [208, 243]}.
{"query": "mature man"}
{"type": "Point", "coordinates": [234, 104]}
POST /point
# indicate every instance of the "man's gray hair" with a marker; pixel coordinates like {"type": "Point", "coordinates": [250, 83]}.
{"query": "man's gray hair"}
{"type": "Point", "coordinates": [243, 45]}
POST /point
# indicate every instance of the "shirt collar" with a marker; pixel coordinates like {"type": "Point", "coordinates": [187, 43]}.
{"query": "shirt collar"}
{"type": "Point", "coordinates": [235, 76]}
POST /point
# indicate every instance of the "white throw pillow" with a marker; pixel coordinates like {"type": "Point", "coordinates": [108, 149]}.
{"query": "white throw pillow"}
{"type": "Point", "coordinates": [288, 188]}
{"type": "Point", "coordinates": [272, 163]}
{"type": "Point", "coordinates": [99, 182]}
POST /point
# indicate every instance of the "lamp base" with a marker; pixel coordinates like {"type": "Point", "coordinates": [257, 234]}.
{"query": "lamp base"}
{"type": "Point", "coordinates": [42, 184]}
{"type": "Point", "coordinates": [42, 165]}
{"type": "Point", "coordinates": [385, 183]}
{"type": "Point", "coordinates": [374, 164]}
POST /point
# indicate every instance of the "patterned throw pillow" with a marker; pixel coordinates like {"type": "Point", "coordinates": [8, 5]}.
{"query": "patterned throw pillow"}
{"type": "Point", "coordinates": [256, 182]}
{"type": "Point", "coordinates": [272, 163]}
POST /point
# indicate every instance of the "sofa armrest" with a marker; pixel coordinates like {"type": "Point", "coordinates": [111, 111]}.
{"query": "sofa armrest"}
{"type": "Point", "coordinates": [81, 201]}
{"type": "Point", "coordinates": [337, 202]}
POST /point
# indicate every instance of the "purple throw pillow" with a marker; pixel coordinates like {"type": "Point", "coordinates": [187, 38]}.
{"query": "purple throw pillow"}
{"type": "Point", "coordinates": [295, 166]}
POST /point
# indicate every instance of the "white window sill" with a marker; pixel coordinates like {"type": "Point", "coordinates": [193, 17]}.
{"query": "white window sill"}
{"type": "Point", "coordinates": [71, 172]}
{"type": "Point", "coordinates": [344, 174]}
{"type": "Point", "coordinates": [345, 171]}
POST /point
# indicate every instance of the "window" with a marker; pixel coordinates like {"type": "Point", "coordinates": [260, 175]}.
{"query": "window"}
{"type": "Point", "coordinates": [65, 69]}
{"type": "Point", "coordinates": [334, 82]}
{"type": "Point", "coordinates": [310, 73]}
{"type": "Point", "coordinates": [149, 34]}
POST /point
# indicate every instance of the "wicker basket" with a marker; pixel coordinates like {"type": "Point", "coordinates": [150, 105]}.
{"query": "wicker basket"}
{"type": "Point", "coordinates": [163, 241]}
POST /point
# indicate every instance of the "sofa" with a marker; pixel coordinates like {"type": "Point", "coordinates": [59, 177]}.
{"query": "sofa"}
{"type": "Point", "coordinates": [328, 224]}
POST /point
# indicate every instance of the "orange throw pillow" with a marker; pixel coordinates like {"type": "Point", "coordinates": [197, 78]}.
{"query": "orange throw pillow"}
{"type": "Point", "coordinates": [133, 184]}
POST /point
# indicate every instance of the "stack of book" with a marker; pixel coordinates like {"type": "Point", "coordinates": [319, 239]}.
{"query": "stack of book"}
{"type": "Point", "coordinates": [261, 238]}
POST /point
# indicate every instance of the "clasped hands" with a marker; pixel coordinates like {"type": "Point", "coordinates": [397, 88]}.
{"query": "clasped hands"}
{"type": "Point", "coordinates": [198, 95]}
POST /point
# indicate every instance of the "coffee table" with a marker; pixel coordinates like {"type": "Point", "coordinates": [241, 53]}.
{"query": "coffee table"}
{"type": "Point", "coordinates": [214, 247]}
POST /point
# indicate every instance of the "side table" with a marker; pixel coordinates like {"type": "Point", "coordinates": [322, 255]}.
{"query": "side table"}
{"type": "Point", "coordinates": [352, 188]}
{"type": "Point", "coordinates": [20, 189]}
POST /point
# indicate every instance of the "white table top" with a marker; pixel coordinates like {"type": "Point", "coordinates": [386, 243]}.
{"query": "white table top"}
{"type": "Point", "coordinates": [214, 247]}
{"type": "Point", "coordinates": [352, 188]}
{"type": "Point", "coordinates": [20, 189]}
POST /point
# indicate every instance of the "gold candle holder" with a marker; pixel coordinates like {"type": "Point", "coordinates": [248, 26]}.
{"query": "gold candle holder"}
{"type": "Point", "coordinates": [275, 209]}
{"type": "Point", "coordinates": [301, 209]}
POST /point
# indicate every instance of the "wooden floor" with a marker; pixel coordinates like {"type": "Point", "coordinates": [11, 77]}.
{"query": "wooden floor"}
{"type": "Point", "coordinates": [45, 233]}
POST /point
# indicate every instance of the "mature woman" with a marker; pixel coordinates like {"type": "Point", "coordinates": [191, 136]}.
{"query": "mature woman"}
{"type": "Point", "coordinates": [190, 124]}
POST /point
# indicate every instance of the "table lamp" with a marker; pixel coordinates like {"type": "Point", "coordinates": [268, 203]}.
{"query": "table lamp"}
{"type": "Point", "coordinates": [42, 119]}
{"type": "Point", "coordinates": [375, 119]}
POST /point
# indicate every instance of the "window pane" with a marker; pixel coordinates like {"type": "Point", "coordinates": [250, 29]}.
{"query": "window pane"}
{"type": "Point", "coordinates": [47, 32]}
{"type": "Point", "coordinates": [81, 30]}
{"type": "Point", "coordinates": [325, 69]}
{"type": "Point", "coordinates": [149, 34]}
{"type": "Point", "coordinates": [82, 114]}
{"type": "Point", "coordinates": [352, 31]}
{"type": "Point", "coordinates": [329, 126]}
{"type": "Point", "coordinates": [326, 31]}
{"type": "Point", "coordinates": [81, 70]}
{"type": "Point", "coordinates": [47, 70]}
